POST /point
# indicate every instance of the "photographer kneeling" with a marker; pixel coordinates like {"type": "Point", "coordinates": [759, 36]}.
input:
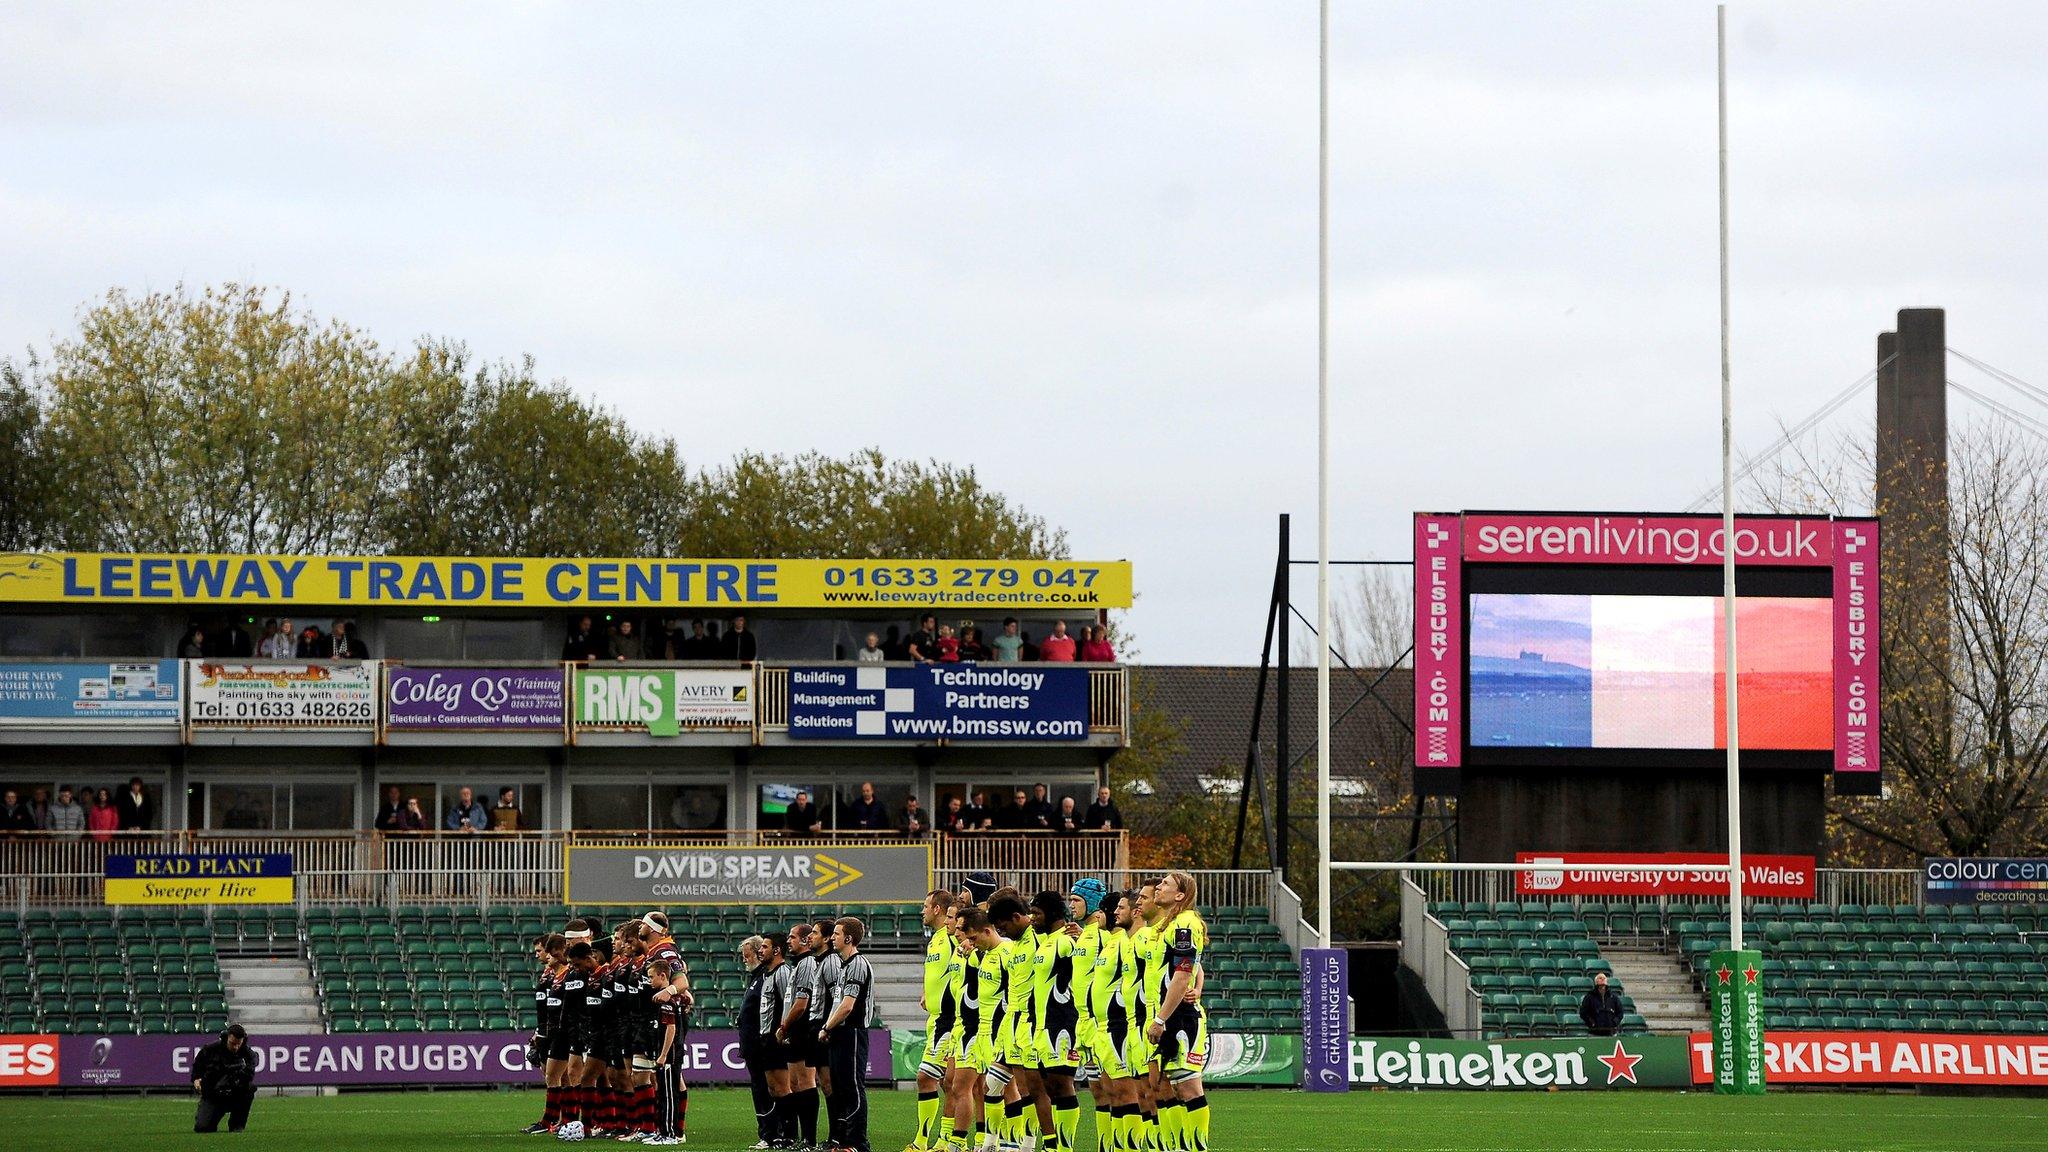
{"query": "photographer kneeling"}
{"type": "Point", "coordinates": [224, 1075]}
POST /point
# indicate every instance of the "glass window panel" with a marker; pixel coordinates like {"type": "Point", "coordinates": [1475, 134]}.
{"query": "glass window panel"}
{"type": "Point", "coordinates": [119, 636]}
{"type": "Point", "coordinates": [415, 639]}
{"type": "Point", "coordinates": [690, 806]}
{"type": "Point", "coordinates": [609, 806]}
{"type": "Point", "coordinates": [323, 807]}
{"type": "Point", "coordinates": [506, 640]}
{"type": "Point", "coordinates": [39, 636]}
{"type": "Point", "coordinates": [242, 807]}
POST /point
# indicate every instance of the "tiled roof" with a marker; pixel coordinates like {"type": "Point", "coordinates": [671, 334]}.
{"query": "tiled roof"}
{"type": "Point", "coordinates": [1212, 707]}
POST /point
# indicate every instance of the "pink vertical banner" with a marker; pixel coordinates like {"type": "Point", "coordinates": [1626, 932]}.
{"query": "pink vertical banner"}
{"type": "Point", "coordinates": [1856, 683]}
{"type": "Point", "coordinates": [1439, 642]}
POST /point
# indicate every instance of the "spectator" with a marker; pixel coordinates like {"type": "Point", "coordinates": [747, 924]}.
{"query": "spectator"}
{"type": "Point", "coordinates": [713, 647]}
{"type": "Point", "coordinates": [391, 814]}
{"type": "Point", "coordinates": [684, 647]}
{"type": "Point", "coordinates": [39, 809]}
{"type": "Point", "coordinates": [1095, 645]}
{"type": "Point", "coordinates": [234, 643]}
{"type": "Point", "coordinates": [867, 814]}
{"type": "Point", "coordinates": [1069, 819]}
{"type": "Point", "coordinates": [467, 813]}
{"type": "Point", "coordinates": [892, 644]}
{"type": "Point", "coordinates": [67, 819]}
{"type": "Point", "coordinates": [1030, 650]}
{"type": "Point", "coordinates": [1017, 816]}
{"type": "Point", "coordinates": [193, 646]}
{"type": "Point", "coordinates": [341, 644]}
{"type": "Point", "coordinates": [414, 818]}
{"type": "Point", "coordinates": [224, 1075]}
{"type": "Point", "coordinates": [802, 817]}
{"type": "Point", "coordinates": [137, 810]}
{"type": "Point", "coordinates": [505, 817]}
{"type": "Point", "coordinates": [971, 647]}
{"type": "Point", "coordinates": [923, 645]}
{"type": "Point", "coordinates": [915, 822]}
{"type": "Point", "coordinates": [949, 645]}
{"type": "Point", "coordinates": [871, 652]}
{"type": "Point", "coordinates": [955, 820]}
{"type": "Point", "coordinates": [980, 816]}
{"type": "Point", "coordinates": [625, 642]}
{"type": "Point", "coordinates": [739, 643]}
{"type": "Point", "coordinates": [14, 815]}
{"type": "Point", "coordinates": [101, 817]}
{"type": "Point", "coordinates": [1058, 647]}
{"type": "Point", "coordinates": [1010, 645]}
{"type": "Point", "coordinates": [278, 641]}
{"type": "Point", "coordinates": [1041, 809]}
{"type": "Point", "coordinates": [1103, 814]}
{"type": "Point", "coordinates": [310, 645]}
{"type": "Point", "coordinates": [1601, 1008]}
{"type": "Point", "coordinates": [585, 643]}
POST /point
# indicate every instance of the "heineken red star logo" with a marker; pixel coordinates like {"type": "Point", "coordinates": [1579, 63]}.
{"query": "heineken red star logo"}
{"type": "Point", "coordinates": [1723, 973]}
{"type": "Point", "coordinates": [1750, 974]}
{"type": "Point", "coordinates": [1621, 1065]}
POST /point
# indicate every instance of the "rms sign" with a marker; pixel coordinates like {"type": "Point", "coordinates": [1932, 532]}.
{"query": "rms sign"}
{"type": "Point", "coordinates": [28, 1061]}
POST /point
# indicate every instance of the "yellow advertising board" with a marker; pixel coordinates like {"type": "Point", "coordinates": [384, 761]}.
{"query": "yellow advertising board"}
{"type": "Point", "coordinates": [447, 582]}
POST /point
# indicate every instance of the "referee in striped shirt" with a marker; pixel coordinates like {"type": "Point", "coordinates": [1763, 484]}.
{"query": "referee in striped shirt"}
{"type": "Point", "coordinates": [846, 1031]}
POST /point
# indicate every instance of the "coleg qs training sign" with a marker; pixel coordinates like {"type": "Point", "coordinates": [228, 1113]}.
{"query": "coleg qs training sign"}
{"type": "Point", "coordinates": [839, 874]}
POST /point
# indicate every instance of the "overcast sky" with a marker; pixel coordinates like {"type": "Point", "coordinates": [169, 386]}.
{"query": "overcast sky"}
{"type": "Point", "coordinates": [1074, 246]}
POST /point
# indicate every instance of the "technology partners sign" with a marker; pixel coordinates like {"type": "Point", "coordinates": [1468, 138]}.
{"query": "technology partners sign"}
{"type": "Point", "coordinates": [849, 874]}
{"type": "Point", "coordinates": [938, 702]}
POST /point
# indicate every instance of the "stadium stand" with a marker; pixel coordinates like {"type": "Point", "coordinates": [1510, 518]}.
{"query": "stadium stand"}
{"type": "Point", "coordinates": [432, 968]}
{"type": "Point", "coordinates": [1531, 962]}
{"type": "Point", "coordinates": [1837, 967]}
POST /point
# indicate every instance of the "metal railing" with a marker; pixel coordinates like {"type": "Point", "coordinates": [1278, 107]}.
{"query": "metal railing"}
{"type": "Point", "coordinates": [486, 867]}
{"type": "Point", "coordinates": [1426, 950]}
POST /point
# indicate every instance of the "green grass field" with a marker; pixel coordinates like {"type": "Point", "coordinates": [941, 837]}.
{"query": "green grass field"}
{"type": "Point", "coordinates": [1280, 1121]}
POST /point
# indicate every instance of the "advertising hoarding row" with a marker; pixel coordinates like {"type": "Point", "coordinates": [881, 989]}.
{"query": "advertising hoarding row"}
{"type": "Point", "coordinates": [965, 702]}
{"type": "Point", "coordinates": [194, 879]}
{"type": "Point", "coordinates": [272, 582]}
{"type": "Point", "coordinates": [1985, 880]}
{"type": "Point", "coordinates": [1598, 640]}
{"type": "Point", "coordinates": [710, 1056]}
{"type": "Point", "coordinates": [939, 701]}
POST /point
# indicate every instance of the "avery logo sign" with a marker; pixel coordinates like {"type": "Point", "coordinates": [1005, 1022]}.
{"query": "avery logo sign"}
{"type": "Point", "coordinates": [28, 1061]}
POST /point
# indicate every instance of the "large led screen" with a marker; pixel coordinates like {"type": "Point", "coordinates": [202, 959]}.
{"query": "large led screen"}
{"type": "Point", "coordinates": [1645, 672]}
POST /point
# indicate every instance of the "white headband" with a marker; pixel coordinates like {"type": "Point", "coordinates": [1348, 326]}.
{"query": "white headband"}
{"type": "Point", "coordinates": [579, 934]}
{"type": "Point", "coordinates": [651, 922]}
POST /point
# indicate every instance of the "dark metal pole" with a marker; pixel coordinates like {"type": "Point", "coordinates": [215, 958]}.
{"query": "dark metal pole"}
{"type": "Point", "coordinates": [1251, 752]}
{"type": "Point", "coordinates": [1283, 764]}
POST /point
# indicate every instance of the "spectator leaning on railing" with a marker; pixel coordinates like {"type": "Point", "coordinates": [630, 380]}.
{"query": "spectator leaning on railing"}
{"type": "Point", "coordinates": [915, 822]}
{"type": "Point", "coordinates": [1058, 648]}
{"type": "Point", "coordinates": [871, 652]}
{"type": "Point", "coordinates": [867, 814]}
{"type": "Point", "coordinates": [1095, 646]}
{"type": "Point", "coordinates": [1103, 815]}
{"type": "Point", "coordinates": [137, 812]}
{"type": "Point", "coordinates": [505, 817]}
{"type": "Point", "coordinates": [1009, 645]}
{"type": "Point", "coordinates": [467, 814]}
{"type": "Point", "coordinates": [923, 645]}
{"type": "Point", "coordinates": [67, 819]}
{"type": "Point", "coordinates": [102, 818]}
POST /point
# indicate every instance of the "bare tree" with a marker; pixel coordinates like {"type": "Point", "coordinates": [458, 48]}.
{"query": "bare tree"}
{"type": "Point", "coordinates": [1372, 619]}
{"type": "Point", "coordinates": [1963, 652]}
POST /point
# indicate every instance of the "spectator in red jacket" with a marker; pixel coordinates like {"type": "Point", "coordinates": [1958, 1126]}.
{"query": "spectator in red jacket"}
{"type": "Point", "coordinates": [1095, 648]}
{"type": "Point", "coordinates": [949, 645]}
{"type": "Point", "coordinates": [1058, 647]}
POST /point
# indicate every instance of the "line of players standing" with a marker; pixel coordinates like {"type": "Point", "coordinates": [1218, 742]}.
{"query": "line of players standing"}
{"type": "Point", "coordinates": [614, 1009]}
{"type": "Point", "coordinates": [1025, 1004]}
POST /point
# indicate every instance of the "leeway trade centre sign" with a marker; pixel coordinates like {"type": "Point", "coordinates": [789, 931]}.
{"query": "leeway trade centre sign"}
{"type": "Point", "coordinates": [848, 874]}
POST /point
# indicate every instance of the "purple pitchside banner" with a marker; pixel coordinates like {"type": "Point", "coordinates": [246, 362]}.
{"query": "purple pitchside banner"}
{"type": "Point", "coordinates": [711, 1057]}
{"type": "Point", "coordinates": [1325, 1019]}
{"type": "Point", "coordinates": [473, 699]}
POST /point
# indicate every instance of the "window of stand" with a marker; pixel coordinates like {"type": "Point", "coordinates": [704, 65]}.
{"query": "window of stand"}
{"type": "Point", "coordinates": [643, 806]}
{"type": "Point", "coordinates": [261, 806]}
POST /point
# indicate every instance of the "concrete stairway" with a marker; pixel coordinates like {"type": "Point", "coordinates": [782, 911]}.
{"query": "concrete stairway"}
{"type": "Point", "coordinates": [1663, 992]}
{"type": "Point", "coordinates": [899, 981]}
{"type": "Point", "coordinates": [271, 994]}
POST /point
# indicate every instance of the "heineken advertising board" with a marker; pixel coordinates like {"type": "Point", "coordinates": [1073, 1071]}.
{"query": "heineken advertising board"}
{"type": "Point", "coordinates": [1587, 1062]}
{"type": "Point", "coordinates": [1735, 1000]}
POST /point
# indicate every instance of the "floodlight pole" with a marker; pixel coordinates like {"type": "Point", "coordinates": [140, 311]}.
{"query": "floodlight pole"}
{"type": "Point", "coordinates": [1324, 894]}
{"type": "Point", "coordinates": [1728, 510]}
